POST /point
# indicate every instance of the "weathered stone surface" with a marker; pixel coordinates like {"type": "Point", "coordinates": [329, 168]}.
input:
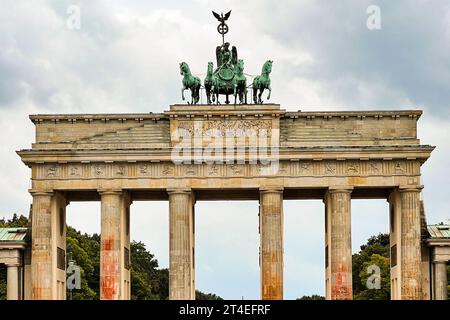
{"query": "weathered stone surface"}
{"type": "Point", "coordinates": [12, 289]}
{"type": "Point", "coordinates": [411, 288]}
{"type": "Point", "coordinates": [181, 245]}
{"type": "Point", "coordinates": [440, 287]}
{"type": "Point", "coordinates": [340, 245]}
{"type": "Point", "coordinates": [352, 128]}
{"type": "Point", "coordinates": [48, 250]}
{"type": "Point", "coordinates": [313, 155]}
{"type": "Point", "coordinates": [271, 247]}
{"type": "Point", "coordinates": [115, 246]}
{"type": "Point", "coordinates": [440, 256]}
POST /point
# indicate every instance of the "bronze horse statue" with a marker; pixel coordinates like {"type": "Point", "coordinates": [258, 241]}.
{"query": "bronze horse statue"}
{"type": "Point", "coordinates": [210, 82]}
{"type": "Point", "coordinates": [240, 83]}
{"type": "Point", "coordinates": [262, 82]}
{"type": "Point", "coordinates": [226, 80]}
{"type": "Point", "coordinates": [190, 82]}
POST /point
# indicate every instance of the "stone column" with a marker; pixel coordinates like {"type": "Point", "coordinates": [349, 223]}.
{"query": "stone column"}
{"type": "Point", "coordinates": [125, 247]}
{"type": "Point", "coordinates": [271, 247]}
{"type": "Point", "coordinates": [42, 247]}
{"type": "Point", "coordinates": [340, 246]}
{"type": "Point", "coordinates": [327, 204]}
{"type": "Point", "coordinates": [110, 248]}
{"type": "Point", "coordinates": [181, 245]}
{"type": "Point", "coordinates": [12, 284]}
{"type": "Point", "coordinates": [410, 261]}
{"type": "Point", "coordinates": [440, 280]}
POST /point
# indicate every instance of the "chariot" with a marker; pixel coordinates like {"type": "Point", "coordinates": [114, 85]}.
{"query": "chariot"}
{"type": "Point", "coordinates": [228, 77]}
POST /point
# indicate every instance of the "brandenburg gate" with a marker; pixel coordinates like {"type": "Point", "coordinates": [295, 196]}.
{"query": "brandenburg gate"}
{"type": "Point", "coordinates": [226, 152]}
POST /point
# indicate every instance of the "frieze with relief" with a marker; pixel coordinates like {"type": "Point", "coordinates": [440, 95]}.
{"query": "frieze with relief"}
{"type": "Point", "coordinates": [325, 168]}
{"type": "Point", "coordinates": [225, 128]}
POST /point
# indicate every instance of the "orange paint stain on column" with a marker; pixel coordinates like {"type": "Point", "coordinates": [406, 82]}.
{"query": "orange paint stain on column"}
{"type": "Point", "coordinates": [109, 265]}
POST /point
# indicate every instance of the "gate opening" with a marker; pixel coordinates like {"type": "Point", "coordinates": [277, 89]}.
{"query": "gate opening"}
{"type": "Point", "coordinates": [304, 248]}
{"type": "Point", "coordinates": [227, 244]}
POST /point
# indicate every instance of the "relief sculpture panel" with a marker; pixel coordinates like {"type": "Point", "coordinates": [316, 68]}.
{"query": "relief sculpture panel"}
{"type": "Point", "coordinates": [156, 170]}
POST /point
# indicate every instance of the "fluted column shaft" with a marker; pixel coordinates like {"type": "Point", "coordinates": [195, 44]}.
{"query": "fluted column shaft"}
{"type": "Point", "coordinates": [48, 245]}
{"type": "Point", "coordinates": [12, 284]}
{"type": "Point", "coordinates": [340, 248]}
{"type": "Point", "coordinates": [411, 287]}
{"type": "Point", "coordinates": [440, 280]}
{"type": "Point", "coordinates": [271, 250]}
{"type": "Point", "coordinates": [181, 245]}
{"type": "Point", "coordinates": [42, 247]}
{"type": "Point", "coordinates": [110, 247]}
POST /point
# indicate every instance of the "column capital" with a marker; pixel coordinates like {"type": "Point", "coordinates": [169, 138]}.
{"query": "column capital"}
{"type": "Point", "coordinates": [340, 189]}
{"type": "Point", "coordinates": [269, 189]}
{"type": "Point", "coordinates": [38, 192]}
{"type": "Point", "coordinates": [110, 191]}
{"type": "Point", "coordinates": [12, 264]}
{"type": "Point", "coordinates": [179, 190]}
{"type": "Point", "coordinates": [410, 189]}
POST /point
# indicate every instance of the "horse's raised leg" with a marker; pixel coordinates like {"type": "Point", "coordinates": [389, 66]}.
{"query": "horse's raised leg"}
{"type": "Point", "coordinates": [270, 92]}
{"type": "Point", "coordinates": [182, 93]}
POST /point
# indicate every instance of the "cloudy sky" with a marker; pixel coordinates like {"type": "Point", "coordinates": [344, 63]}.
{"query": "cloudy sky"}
{"type": "Point", "coordinates": [125, 58]}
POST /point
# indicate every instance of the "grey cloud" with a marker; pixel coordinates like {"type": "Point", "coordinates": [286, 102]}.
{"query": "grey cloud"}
{"type": "Point", "coordinates": [409, 55]}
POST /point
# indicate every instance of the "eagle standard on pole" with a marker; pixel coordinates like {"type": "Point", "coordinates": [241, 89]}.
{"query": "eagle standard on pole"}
{"type": "Point", "coordinates": [222, 28]}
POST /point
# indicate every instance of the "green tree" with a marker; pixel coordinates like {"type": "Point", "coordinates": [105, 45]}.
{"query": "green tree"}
{"type": "Point", "coordinates": [373, 290]}
{"type": "Point", "coordinates": [163, 276]}
{"type": "Point", "coordinates": [2, 282]}
{"type": "Point", "coordinates": [82, 249]}
{"type": "Point", "coordinates": [147, 280]}
{"type": "Point", "coordinates": [15, 222]}
{"type": "Point", "coordinates": [372, 253]}
{"type": "Point", "coordinates": [206, 296]}
{"type": "Point", "coordinates": [448, 282]}
{"type": "Point", "coordinates": [145, 284]}
{"type": "Point", "coordinates": [312, 297]}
